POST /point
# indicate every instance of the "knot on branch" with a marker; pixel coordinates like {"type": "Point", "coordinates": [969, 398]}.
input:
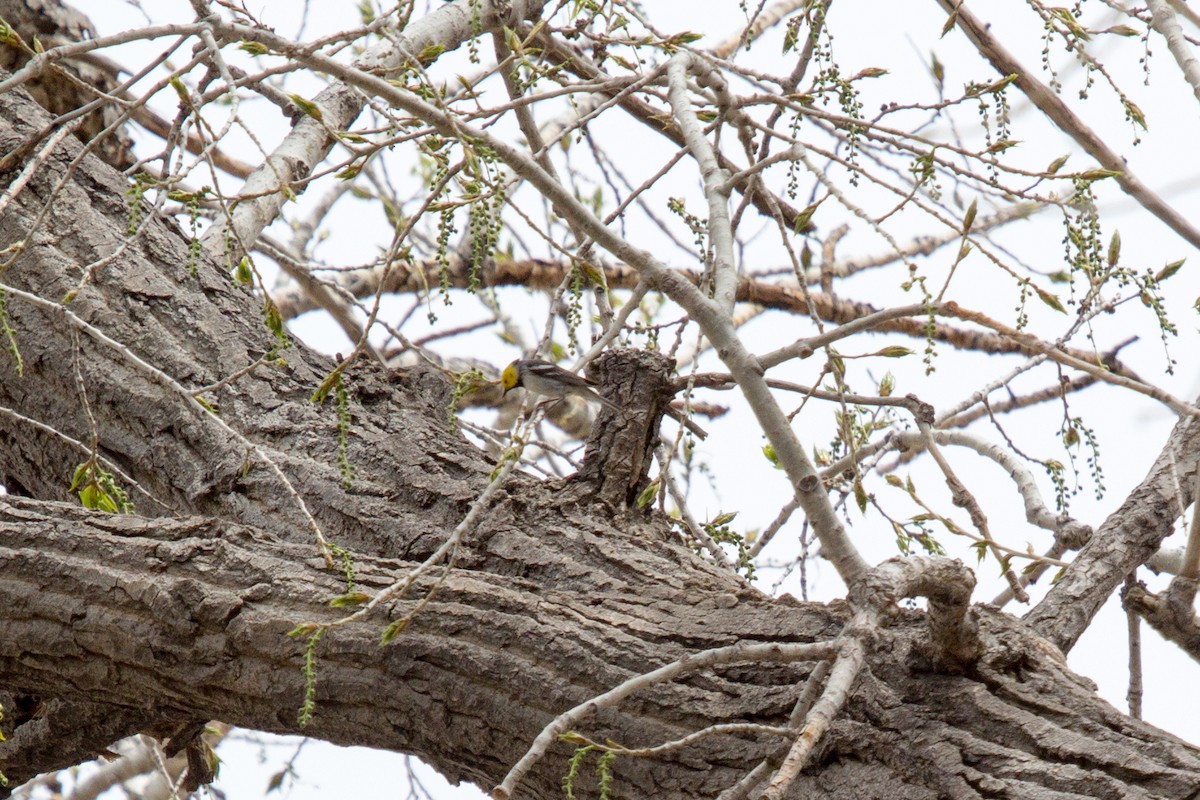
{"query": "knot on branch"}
{"type": "Point", "coordinates": [1071, 534]}
{"type": "Point", "coordinates": [620, 449]}
{"type": "Point", "coordinates": [1171, 613]}
{"type": "Point", "coordinates": [947, 584]}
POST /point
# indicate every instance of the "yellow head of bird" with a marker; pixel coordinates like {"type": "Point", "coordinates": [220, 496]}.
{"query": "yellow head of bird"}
{"type": "Point", "coordinates": [510, 378]}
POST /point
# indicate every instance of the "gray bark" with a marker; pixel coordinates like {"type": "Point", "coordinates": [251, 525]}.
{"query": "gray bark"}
{"type": "Point", "coordinates": [152, 621]}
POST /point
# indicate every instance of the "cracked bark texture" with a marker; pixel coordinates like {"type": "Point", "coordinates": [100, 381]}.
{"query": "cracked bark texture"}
{"type": "Point", "coordinates": [150, 622]}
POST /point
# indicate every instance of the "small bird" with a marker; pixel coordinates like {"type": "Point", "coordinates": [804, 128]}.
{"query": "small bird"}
{"type": "Point", "coordinates": [551, 380]}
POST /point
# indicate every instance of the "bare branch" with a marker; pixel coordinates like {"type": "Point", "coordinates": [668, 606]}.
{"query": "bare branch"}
{"type": "Point", "coordinates": [1164, 21]}
{"type": "Point", "coordinates": [1053, 106]}
{"type": "Point", "coordinates": [771, 652]}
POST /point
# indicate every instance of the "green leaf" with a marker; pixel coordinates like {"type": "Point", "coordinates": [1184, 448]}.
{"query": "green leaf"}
{"type": "Point", "coordinates": [1114, 249]}
{"type": "Point", "coordinates": [428, 55]}
{"type": "Point", "coordinates": [1065, 16]}
{"type": "Point", "coordinates": [895, 351]}
{"type": "Point", "coordinates": [273, 318]}
{"type": "Point", "coordinates": [1122, 30]}
{"type": "Point", "coordinates": [887, 384]}
{"type": "Point", "coordinates": [950, 22]}
{"type": "Point", "coordinates": [304, 629]}
{"type": "Point", "coordinates": [724, 518]}
{"type": "Point", "coordinates": [1168, 270]}
{"type": "Point", "coordinates": [838, 365]}
{"type": "Point", "coordinates": [306, 106]}
{"type": "Point", "coordinates": [647, 495]}
{"type": "Point", "coordinates": [1134, 113]}
{"type": "Point", "coordinates": [1001, 84]}
{"type": "Point", "coordinates": [8, 35]}
{"type": "Point", "coordinates": [253, 48]}
{"type": "Point", "coordinates": [1002, 145]}
{"type": "Point", "coordinates": [1098, 174]}
{"type": "Point", "coordinates": [392, 631]}
{"type": "Point", "coordinates": [350, 599]}
{"type": "Point", "coordinates": [894, 480]}
{"type": "Point", "coordinates": [322, 391]}
{"type": "Point", "coordinates": [860, 495]}
{"type": "Point", "coordinates": [1049, 299]}
{"type": "Point", "coordinates": [105, 502]}
{"type": "Point", "coordinates": [801, 223]}
{"type": "Point", "coordinates": [980, 549]}
{"type": "Point", "coordinates": [870, 72]}
{"type": "Point", "coordinates": [276, 781]}
{"type": "Point", "coordinates": [969, 218]}
{"type": "Point", "coordinates": [81, 472]}
{"type": "Point", "coordinates": [1057, 164]}
{"type": "Point", "coordinates": [181, 90]}
{"type": "Point", "coordinates": [773, 457]}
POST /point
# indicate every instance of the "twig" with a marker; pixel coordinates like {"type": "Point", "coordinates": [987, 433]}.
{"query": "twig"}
{"type": "Point", "coordinates": [108, 464]}
{"type": "Point", "coordinates": [841, 677]}
{"type": "Point", "coordinates": [776, 525]}
{"type": "Point", "coordinates": [1134, 694]}
{"type": "Point", "coordinates": [1065, 120]}
{"type": "Point", "coordinates": [836, 544]}
{"type": "Point", "coordinates": [961, 496]}
{"type": "Point", "coordinates": [716, 185]}
{"type": "Point", "coordinates": [775, 652]}
{"type": "Point", "coordinates": [694, 528]}
{"type": "Point", "coordinates": [1163, 20]}
{"type": "Point", "coordinates": [158, 376]}
{"type": "Point", "coordinates": [691, 738]}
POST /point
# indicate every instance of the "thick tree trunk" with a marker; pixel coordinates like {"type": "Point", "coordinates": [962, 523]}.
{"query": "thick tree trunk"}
{"type": "Point", "coordinates": [123, 623]}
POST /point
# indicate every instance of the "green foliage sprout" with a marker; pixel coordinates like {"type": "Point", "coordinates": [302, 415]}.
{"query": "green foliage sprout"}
{"type": "Point", "coordinates": [465, 384]}
{"type": "Point", "coordinates": [1075, 433]}
{"type": "Point", "coordinates": [343, 429]}
{"type": "Point", "coordinates": [604, 773]}
{"type": "Point", "coordinates": [309, 670]}
{"type": "Point", "coordinates": [135, 199]}
{"type": "Point", "coordinates": [348, 572]}
{"type": "Point", "coordinates": [191, 203]}
{"type": "Point", "coordinates": [98, 490]}
{"type": "Point", "coordinates": [720, 532]}
{"type": "Point", "coordinates": [486, 196]}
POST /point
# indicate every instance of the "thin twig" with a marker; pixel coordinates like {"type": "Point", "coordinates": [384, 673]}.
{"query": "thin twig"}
{"type": "Point", "coordinates": [776, 652]}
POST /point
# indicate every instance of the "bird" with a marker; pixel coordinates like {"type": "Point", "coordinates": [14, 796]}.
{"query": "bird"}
{"type": "Point", "coordinates": [551, 380]}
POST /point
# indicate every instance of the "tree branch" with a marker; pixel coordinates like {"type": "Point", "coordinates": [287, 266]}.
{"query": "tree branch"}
{"type": "Point", "coordinates": [1065, 119]}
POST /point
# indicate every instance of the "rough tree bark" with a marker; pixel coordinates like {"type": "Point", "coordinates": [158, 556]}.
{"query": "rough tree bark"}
{"type": "Point", "coordinates": [119, 623]}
